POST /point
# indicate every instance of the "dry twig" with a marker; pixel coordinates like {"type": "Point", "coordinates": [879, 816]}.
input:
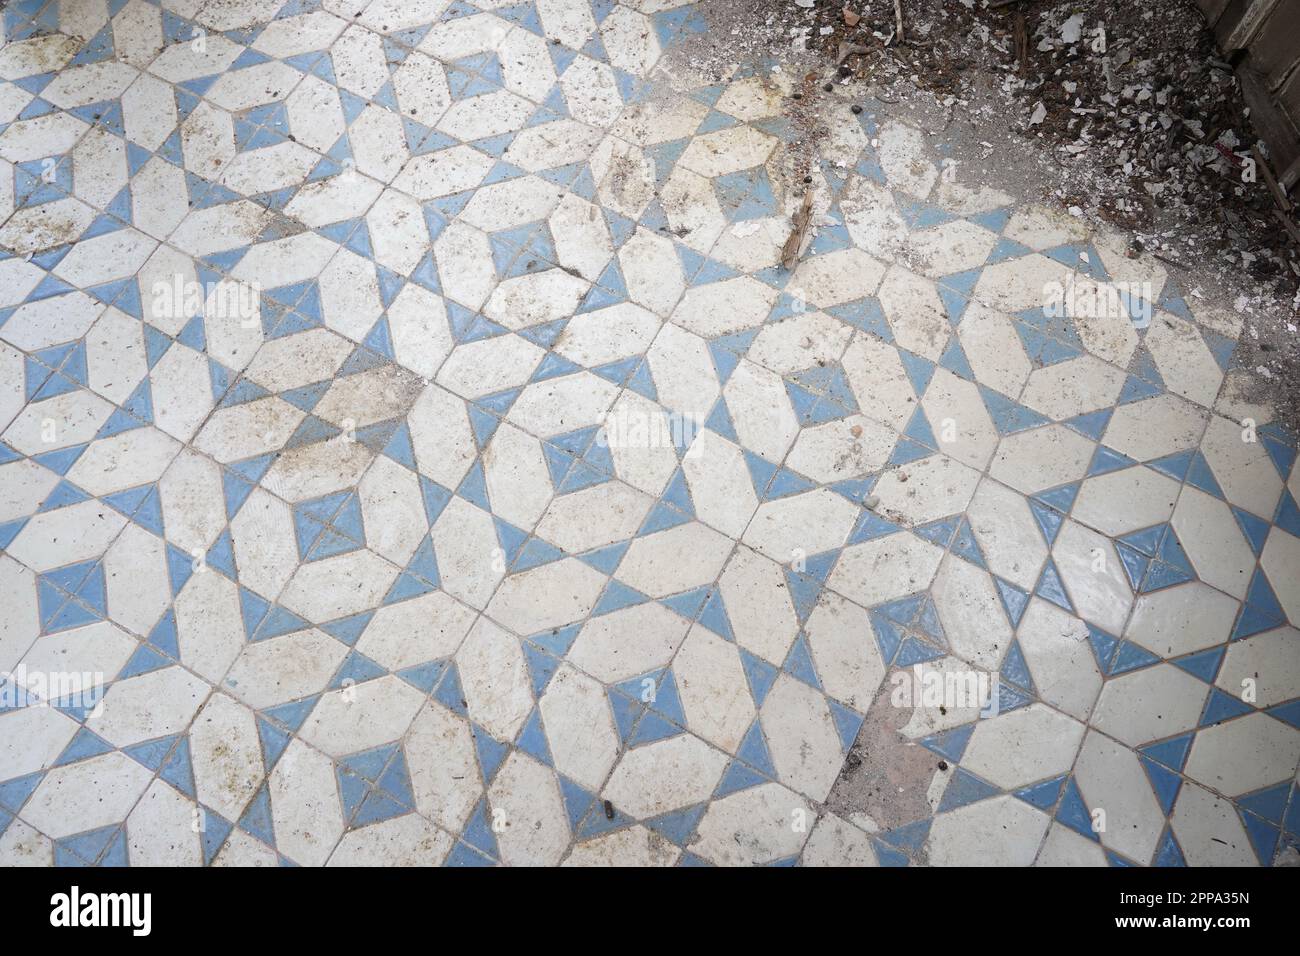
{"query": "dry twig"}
{"type": "Point", "coordinates": [1022, 44]}
{"type": "Point", "coordinates": [1279, 196]}
{"type": "Point", "coordinates": [1288, 225]}
{"type": "Point", "coordinates": [790, 251]}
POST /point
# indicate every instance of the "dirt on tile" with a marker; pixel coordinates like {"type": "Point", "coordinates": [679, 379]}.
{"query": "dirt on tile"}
{"type": "Point", "coordinates": [886, 779]}
{"type": "Point", "coordinates": [1120, 113]}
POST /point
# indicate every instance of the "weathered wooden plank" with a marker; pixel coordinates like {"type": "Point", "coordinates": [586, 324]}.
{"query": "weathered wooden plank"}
{"type": "Point", "coordinates": [1232, 13]}
{"type": "Point", "coordinates": [1237, 36]}
{"type": "Point", "coordinates": [1289, 97]}
{"type": "Point", "coordinates": [1275, 49]}
{"type": "Point", "coordinates": [1274, 119]}
{"type": "Point", "coordinates": [1289, 178]}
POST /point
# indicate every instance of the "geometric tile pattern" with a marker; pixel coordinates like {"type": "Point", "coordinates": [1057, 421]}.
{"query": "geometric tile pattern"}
{"type": "Point", "coordinates": [413, 451]}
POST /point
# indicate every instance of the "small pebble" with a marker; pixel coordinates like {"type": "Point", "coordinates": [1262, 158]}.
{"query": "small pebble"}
{"type": "Point", "coordinates": [829, 87]}
{"type": "Point", "coordinates": [856, 109]}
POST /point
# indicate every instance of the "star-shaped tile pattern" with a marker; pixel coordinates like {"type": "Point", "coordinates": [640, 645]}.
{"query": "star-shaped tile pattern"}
{"type": "Point", "coordinates": [415, 452]}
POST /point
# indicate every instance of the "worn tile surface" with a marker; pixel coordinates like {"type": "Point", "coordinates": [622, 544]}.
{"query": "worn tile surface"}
{"type": "Point", "coordinates": [412, 451]}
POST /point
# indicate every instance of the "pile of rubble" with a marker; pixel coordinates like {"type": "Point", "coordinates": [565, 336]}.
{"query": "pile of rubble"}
{"type": "Point", "coordinates": [1132, 115]}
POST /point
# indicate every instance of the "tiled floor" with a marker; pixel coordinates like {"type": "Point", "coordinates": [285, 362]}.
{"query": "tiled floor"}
{"type": "Point", "coordinates": [415, 452]}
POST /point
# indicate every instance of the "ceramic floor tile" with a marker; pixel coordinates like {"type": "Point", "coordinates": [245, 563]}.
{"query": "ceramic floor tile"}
{"type": "Point", "coordinates": [413, 451]}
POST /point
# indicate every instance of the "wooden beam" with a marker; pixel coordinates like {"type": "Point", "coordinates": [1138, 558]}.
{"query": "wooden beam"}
{"type": "Point", "coordinates": [1291, 175]}
{"type": "Point", "coordinates": [1269, 119]}
{"type": "Point", "coordinates": [1252, 19]}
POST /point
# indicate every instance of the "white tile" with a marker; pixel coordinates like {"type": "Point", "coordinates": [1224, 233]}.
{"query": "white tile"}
{"type": "Point", "coordinates": [1242, 466]}
{"type": "Point", "coordinates": [1041, 458]}
{"type": "Point", "coordinates": [1002, 831]}
{"type": "Point", "coordinates": [633, 846]}
{"type": "Point", "coordinates": [719, 482]}
{"type": "Point", "coordinates": [1209, 831]}
{"type": "Point", "coordinates": [305, 808]}
{"type": "Point", "coordinates": [971, 612]}
{"type": "Point", "coordinates": [834, 842]}
{"type": "Point", "coordinates": [1264, 666]}
{"type": "Point", "coordinates": [1178, 620]}
{"type": "Point", "coordinates": [425, 628]}
{"type": "Point", "coordinates": [915, 313]}
{"type": "Point", "coordinates": [1149, 704]}
{"type": "Point", "coordinates": [1244, 755]}
{"type": "Point", "coordinates": [713, 689]}
{"type": "Point", "coordinates": [802, 525]}
{"type": "Point", "coordinates": [1093, 576]}
{"type": "Point", "coordinates": [1122, 501]}
{"type": "Point", "coordinates": [1212, 539]}
{"type": "Point", "coordinates": [667, 562]}
{"type": "Point", "coordinates": [839, 277]}
{"type": "Point", "coordinates": [928, 489]}
{"type": "Point", "coordinates": [313, 591]}
{"type": "Point", "coordinates": [847, 659]}
{"type": "Point", "coordinates": [1007, 534]}
{"type": "Point", "coordinates": [528, 813]}
{"type": "Point", "coordinates": [594, 517]}
{"type": "Point", "coordinates": [287, 668]}
{"type": "Point", "coordinates": [1281, 562]}
{"type": "Point", "coordinates": [209, 628]}
{"type": "Point", "coordinates": [34, 739]}
{"type": "Point", "coordinates": [664, 776]}
{"type": "Point", "coordinates": [444, 770]}
{"type": "Point", "coordinates": [86, 795]}
{"type": "Point", "coordinates": [799, 342]}
{"type": "Point", "coordinates": [753, 827]}
{"type": "Point", "coordinates": [1023, 746]}
{"type": "Point", "coordinates": [494, 679]}
{"type": "Point", "coordinates": [722, 308]}
{"type": "Point", "coordinates": [959, 420]}
{"type": "Point", "coordinates": [1064, 847]}
{"type": "Point", "coordinates": [579, 727]}
{"type": "Point", "coordinates": [1116, 791]}
{"type": "Point", "coordinates": [1059, 656]}
{"type": "Point", "coordinates": [759, 406]}
{"type": "Point", "coordinates": [403, 841]}
{"type": "Point", "coordinates": [152, 705]}
{"type": "Point", "coordinates": [361, 716]}
{"type": "Point", "coordinates": [602, 649]}
{"type": "Point", "coordinates": [548, 596]}
{"type": "Point", "coordinates": [885, 568]}
{"type": "Point", "coordinates": [1154, 427]}
{"type": "Point", "coordinates": [226, 754]}
{"type": "Point", "coordinates": [801, 737]}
